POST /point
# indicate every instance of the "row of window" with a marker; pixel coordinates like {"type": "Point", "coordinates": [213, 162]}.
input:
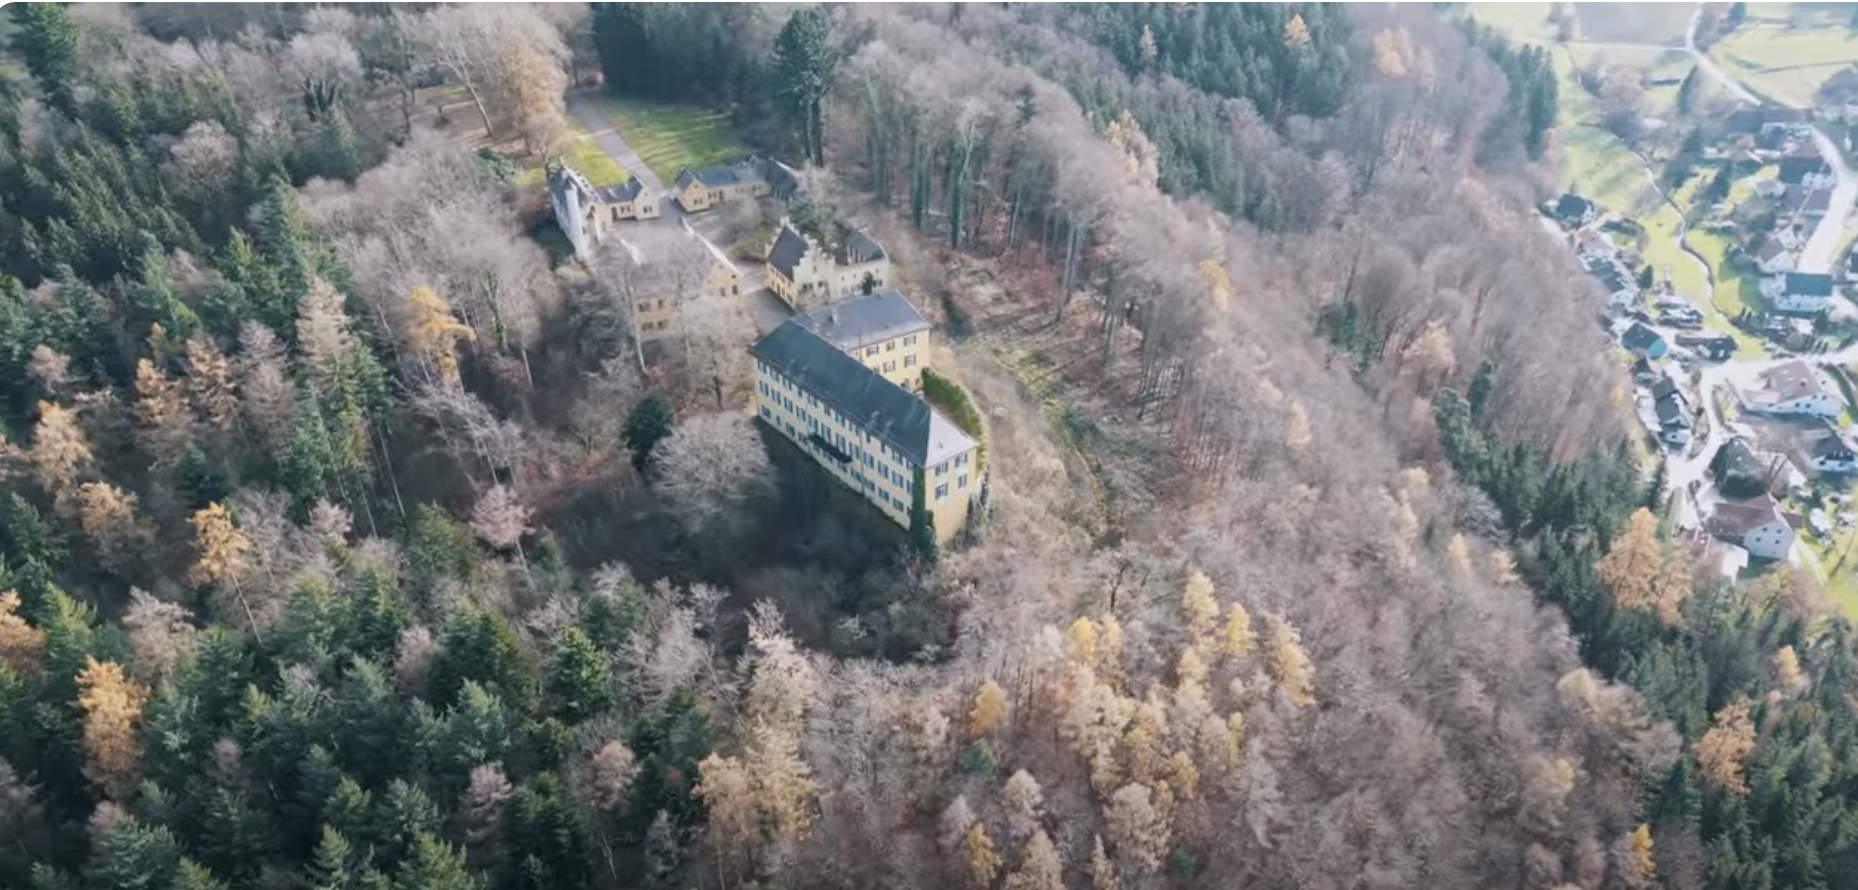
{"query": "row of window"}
{"type": "Point", "coordinates": [891, 346]}
{"type": "Point", "coordinates": [853, 447]}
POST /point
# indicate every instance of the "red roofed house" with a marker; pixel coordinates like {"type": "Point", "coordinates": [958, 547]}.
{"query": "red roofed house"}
{"type": "Point", "coordinates": [1757, 525]}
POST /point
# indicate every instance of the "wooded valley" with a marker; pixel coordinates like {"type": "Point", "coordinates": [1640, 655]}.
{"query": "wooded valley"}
{"type": "Point", "coordinates": [350, 537]}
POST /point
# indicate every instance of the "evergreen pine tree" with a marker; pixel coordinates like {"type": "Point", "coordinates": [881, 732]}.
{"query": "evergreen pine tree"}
{"type": "Point", "coordinates": [578, 682]}
{"type": "Point", "coordinates": [46, 39]}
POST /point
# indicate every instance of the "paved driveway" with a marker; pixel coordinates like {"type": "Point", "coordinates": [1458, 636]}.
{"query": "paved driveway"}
{"type": "Point", "coordinates": [603, 130]}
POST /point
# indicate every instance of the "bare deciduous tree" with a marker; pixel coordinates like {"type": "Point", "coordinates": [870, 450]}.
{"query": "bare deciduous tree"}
{"type": "Point", "coordinates": [710, 469]}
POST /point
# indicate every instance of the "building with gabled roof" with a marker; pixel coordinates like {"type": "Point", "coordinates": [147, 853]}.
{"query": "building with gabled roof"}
{"type": "Point", "coordinates": [875, 436]}
{"type": "Point", "coordinates": [1793, 389]}
{"type": "Point", "coordinates": [584, 210]}
{"type": "Point", "coordinates": [882, 330]}
{"type": "Point", "coordinates": [1757, 525]}
{"type": "Point", "coordinates": [757, 177]}
{"type": "Point", "coordinates": [804, 274]}
{"type": "Point", "coordinates": [1799, 291]}
{"type": "Point", "coordinates": [1809, 171]}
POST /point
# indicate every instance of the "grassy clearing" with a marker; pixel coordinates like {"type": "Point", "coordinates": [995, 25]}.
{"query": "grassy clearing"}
{"type": "Point", "coordinates": [1805, 14]}
{"type": "Point", "coordinates": [671, 137]}
{"type": "Point", "coordinates": [1787, 63]}
{"type": "Point", "coordinates": [1522, 21]}
{"type": "Point", "coordinates": [1633, 22]}
{"type": "Point", "coordinates": [585, 155]}
{"type": "Point", "coordinates": [1841, 574]}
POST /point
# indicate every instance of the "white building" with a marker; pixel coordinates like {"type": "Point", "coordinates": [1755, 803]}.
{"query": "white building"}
{"type": "Point", "coordinates": [1799, 291]}
{"type": "Point", "coordinates": [1794, 389]}
{"type": "Point", "coordinates": [1757, 525]}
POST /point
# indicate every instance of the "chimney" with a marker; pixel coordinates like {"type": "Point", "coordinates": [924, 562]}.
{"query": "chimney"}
{"type": "Point", "coordinates": [832, 315]}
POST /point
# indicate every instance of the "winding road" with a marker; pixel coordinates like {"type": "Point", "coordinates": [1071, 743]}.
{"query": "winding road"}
{"type": "Point", "coordinates": [1818, 255]}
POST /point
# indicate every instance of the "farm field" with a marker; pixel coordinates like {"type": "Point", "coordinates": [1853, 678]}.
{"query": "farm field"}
{"type": "Point", "coordinates": [670, 137]}
{"type": "Point", "coordinates": [1788, 64]}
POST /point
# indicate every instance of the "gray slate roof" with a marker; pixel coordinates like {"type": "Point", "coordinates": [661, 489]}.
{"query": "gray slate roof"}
{"type": "Point", "coordinates": [1808, 284]}
{"type": "Point", "coordinates": [625, 192]}
{"type": "Point", "coordinates": [1572, 206]}
{"type": "Point", "coordinates": [1794, 171]}
{"type": "Point", "coordinates": [789, 247]}
{"type": "Point", "coordinates": [897, 416]}
{"type": "Point", "coordinates": [860, 248]}
{"type": "Point", "coordinates": [1639, 337]}
{"type": "Point", "coordinates": [864, 320]}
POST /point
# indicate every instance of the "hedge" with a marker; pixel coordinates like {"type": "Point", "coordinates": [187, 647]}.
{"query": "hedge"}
{"type": "Point", "coordinates": [952, 397]}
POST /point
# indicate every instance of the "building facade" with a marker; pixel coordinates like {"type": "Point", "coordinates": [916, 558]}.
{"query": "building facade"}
{"type": "Point", "coordinates": [873, 435]}
{"type": "Point", "coordinates": [583, 210]}
{"type": "Point", "coordinates": [882, 330]}
{"type": "Point", "coordinates": [654, 314]}
{"type": "Point", "coordinates": [804, 274]}
{"type": "Point", "coordinates": [705, 187]}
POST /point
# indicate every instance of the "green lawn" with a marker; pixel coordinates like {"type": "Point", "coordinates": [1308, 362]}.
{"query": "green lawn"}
{"type": "Point", "coordinates": [585, 155]}
{"type": "Point", "coordinates": [1788, 64]}
{"type": "Point", "coordinates": [1527, 22]}
{"type": "Point", "coordinates": [1841, 576]}
{"type": "Point", "coordinates": [670, 137]}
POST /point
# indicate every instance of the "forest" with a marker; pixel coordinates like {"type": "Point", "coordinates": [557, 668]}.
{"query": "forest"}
{"type": "Point", "coordinates": [349, 540]}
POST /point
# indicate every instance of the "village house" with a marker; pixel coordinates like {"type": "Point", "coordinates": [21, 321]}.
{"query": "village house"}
{"type": "Point", "coordinates": [1621, 293]}
{"type": "Point", "coordinates": [1711, 347]}
{"type": "Point", "coordinates": [1794, 389]}
{"type": "Point", "coordinates": [1826, 452]}
{"type": "Point", "coordinates": [803, 273]}
{"type": "Point", "coordinates": [1799, 291]}
{"type": "Point", "coordinates": [874, 436]}
{"type": "Point", "coordinates": [1591, 244]}
{"type": "Point", "coordinates": [1769, 188]}
{"type": "Point", "coordinates": [882, 330]}
{"type": "Point", "coordinates": [1790, 232]}
{"type": "Point", "coordinates": [1641, 340]}
{"type": "Point", "coordinates": [1757, 525]}
{"type": "Point", "coordinates": [1811, 172]}
{"type": "Point", "coordinates": [1574, 210]}
{"type": "Point", "coordinates": [1767, 119]}
{"type": "Point", "coordinates": [1772, 257]}
{"type": "Point", "coordinates": [1742, 471]}
{"type": "Point", "coordinates": [699, 190]}
{"type": "Point", "coordinates": [583, 210]}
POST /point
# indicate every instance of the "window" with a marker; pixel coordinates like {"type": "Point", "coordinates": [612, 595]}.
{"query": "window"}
{"type": "Point", "coordinates": [909, 361]}
{"type": "Point", "coordinates": [961, 481]}
{"type": "Point", "coordinates": [891, 346]}
{"type": "Point", "coordinates": [735, 290]}
{"type": "Point", "coordinates": [941, 491]}
{"type": "Point", "coordinates": [941, 470]}
{"type": "Point", "coordinates": [910, 340]}
{"type": "Point", "coordinates": [870, 351]}
{"type": "Point", "coordinates": [761, 366]}
{"type": "Point", "coordinates": [961, 460]}
{"type": "Point", "coordinates": [766, 414]}
{"type": "Point", "coordinates": [764, 387]}
{"type": "Point", "coordinates": [890, 366]}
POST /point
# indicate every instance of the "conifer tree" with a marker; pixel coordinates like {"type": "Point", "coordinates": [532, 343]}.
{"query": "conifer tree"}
{"type": "Point", "coordinates": [578, 682]}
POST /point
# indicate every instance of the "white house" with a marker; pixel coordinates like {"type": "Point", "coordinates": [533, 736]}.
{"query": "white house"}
{"type": "Point", "coordinates": [1793, 390]}
{"type": "Point", "coordinates": [1810, 172]}
{"type": "Point", "coordinates": [1827, 453]}
{"type": "Point", "coordinates": [1757, 525]}
{"type": "Point", "coordinates": [1799, 291]}
{"type": "Point", "coordinates": [1773, 258]}
{"type": "Point", "coordinates": [1621, 292]}
{"type": "Point", "coordinates": [1790, 235]}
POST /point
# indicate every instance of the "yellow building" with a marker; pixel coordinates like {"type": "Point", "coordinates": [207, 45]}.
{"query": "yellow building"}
{"type": "Point", "coordinates": [876, 437]}
{"type": "Point", "coordinates": [699, 190]}
{"type": "Point", "coordinates": [654, 315]}
{"type": "Point", "coordinates": [583, 210]}
{"type": "Point", "coordinates": [883, 331]}
{"type": "Point", "coordinates": [805, 274]}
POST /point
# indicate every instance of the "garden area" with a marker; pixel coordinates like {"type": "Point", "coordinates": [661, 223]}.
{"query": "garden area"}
{"type": "Point", "coordinates": [1787, 50]}
{"type": "Point", "coordinates": [670, 136]}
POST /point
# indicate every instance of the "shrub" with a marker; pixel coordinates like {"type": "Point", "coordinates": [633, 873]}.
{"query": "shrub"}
{"type": "Point", "coordinates": [953, 398]}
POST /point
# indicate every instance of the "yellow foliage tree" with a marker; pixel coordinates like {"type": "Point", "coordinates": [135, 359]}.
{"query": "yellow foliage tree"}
{"type": "Point", "coordinates": [1218, 283]}
{"type": "Point", "coordinates": [1039, 866]}
{"type": "Point", "coordinates": [1200, 608]}
{"type": "Point", "coordinates": [211, 384]}
{"type": "Point", "coordinates": [224, 555]}
{"type": "Point", "coordinates": [1460, 554]}
{"type": "Point", "coordinates": [1641, 573]}
{"type": "Point", "coordinates": [1081, 641]}
{"type": "Point", "coordinates": [59, 447]}
{"type": "Point", "coordinates": [1729, 740]}
{"type": "Point", "coordinates": [161, 406]}
{"type": "Point", "coordinates": [1110, 649]}
{"type": "Point", "coordinates": [1639, 868]}
{"type": "Point", "coordinates": [982, 861]}
{"type": "Point", "coordinates": [782, 783]}
{"type": "Point", "coordinates": [989, 711]}
{"type": "Point", "coordinates": [1296, 33]}
{"type": "Point", "coordinates": [1289, 664]}
{"type": "Point", "coordinates": [727, 791]}
{"type": "Point", "coordinates": [21, 644]}
{"type": "Point", "coordinates": [1139, 829]}
{"type": "Point", "coordinates": [1787, 669]}
{"type": "Point", "coordinates": [433, 332]}
{"type": "Point", "coordinates": [111, 704]}
{"type": "Point", "coordinates": [1238, 639]}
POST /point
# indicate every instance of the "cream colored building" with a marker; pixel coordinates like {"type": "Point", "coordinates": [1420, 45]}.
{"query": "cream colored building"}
{"type": "Point", "coordinates": [803, 273]}
{"type": "Point", "coordinates": [872, 434]}
{"type": "Point", "coordinates": [583, 210]}
{"type": "Point", "coordinates": [654, 315]}
{"type": "Point", "coordinates": [883, 331]}
{"type": "Point", "coordinates": [700, 189]}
